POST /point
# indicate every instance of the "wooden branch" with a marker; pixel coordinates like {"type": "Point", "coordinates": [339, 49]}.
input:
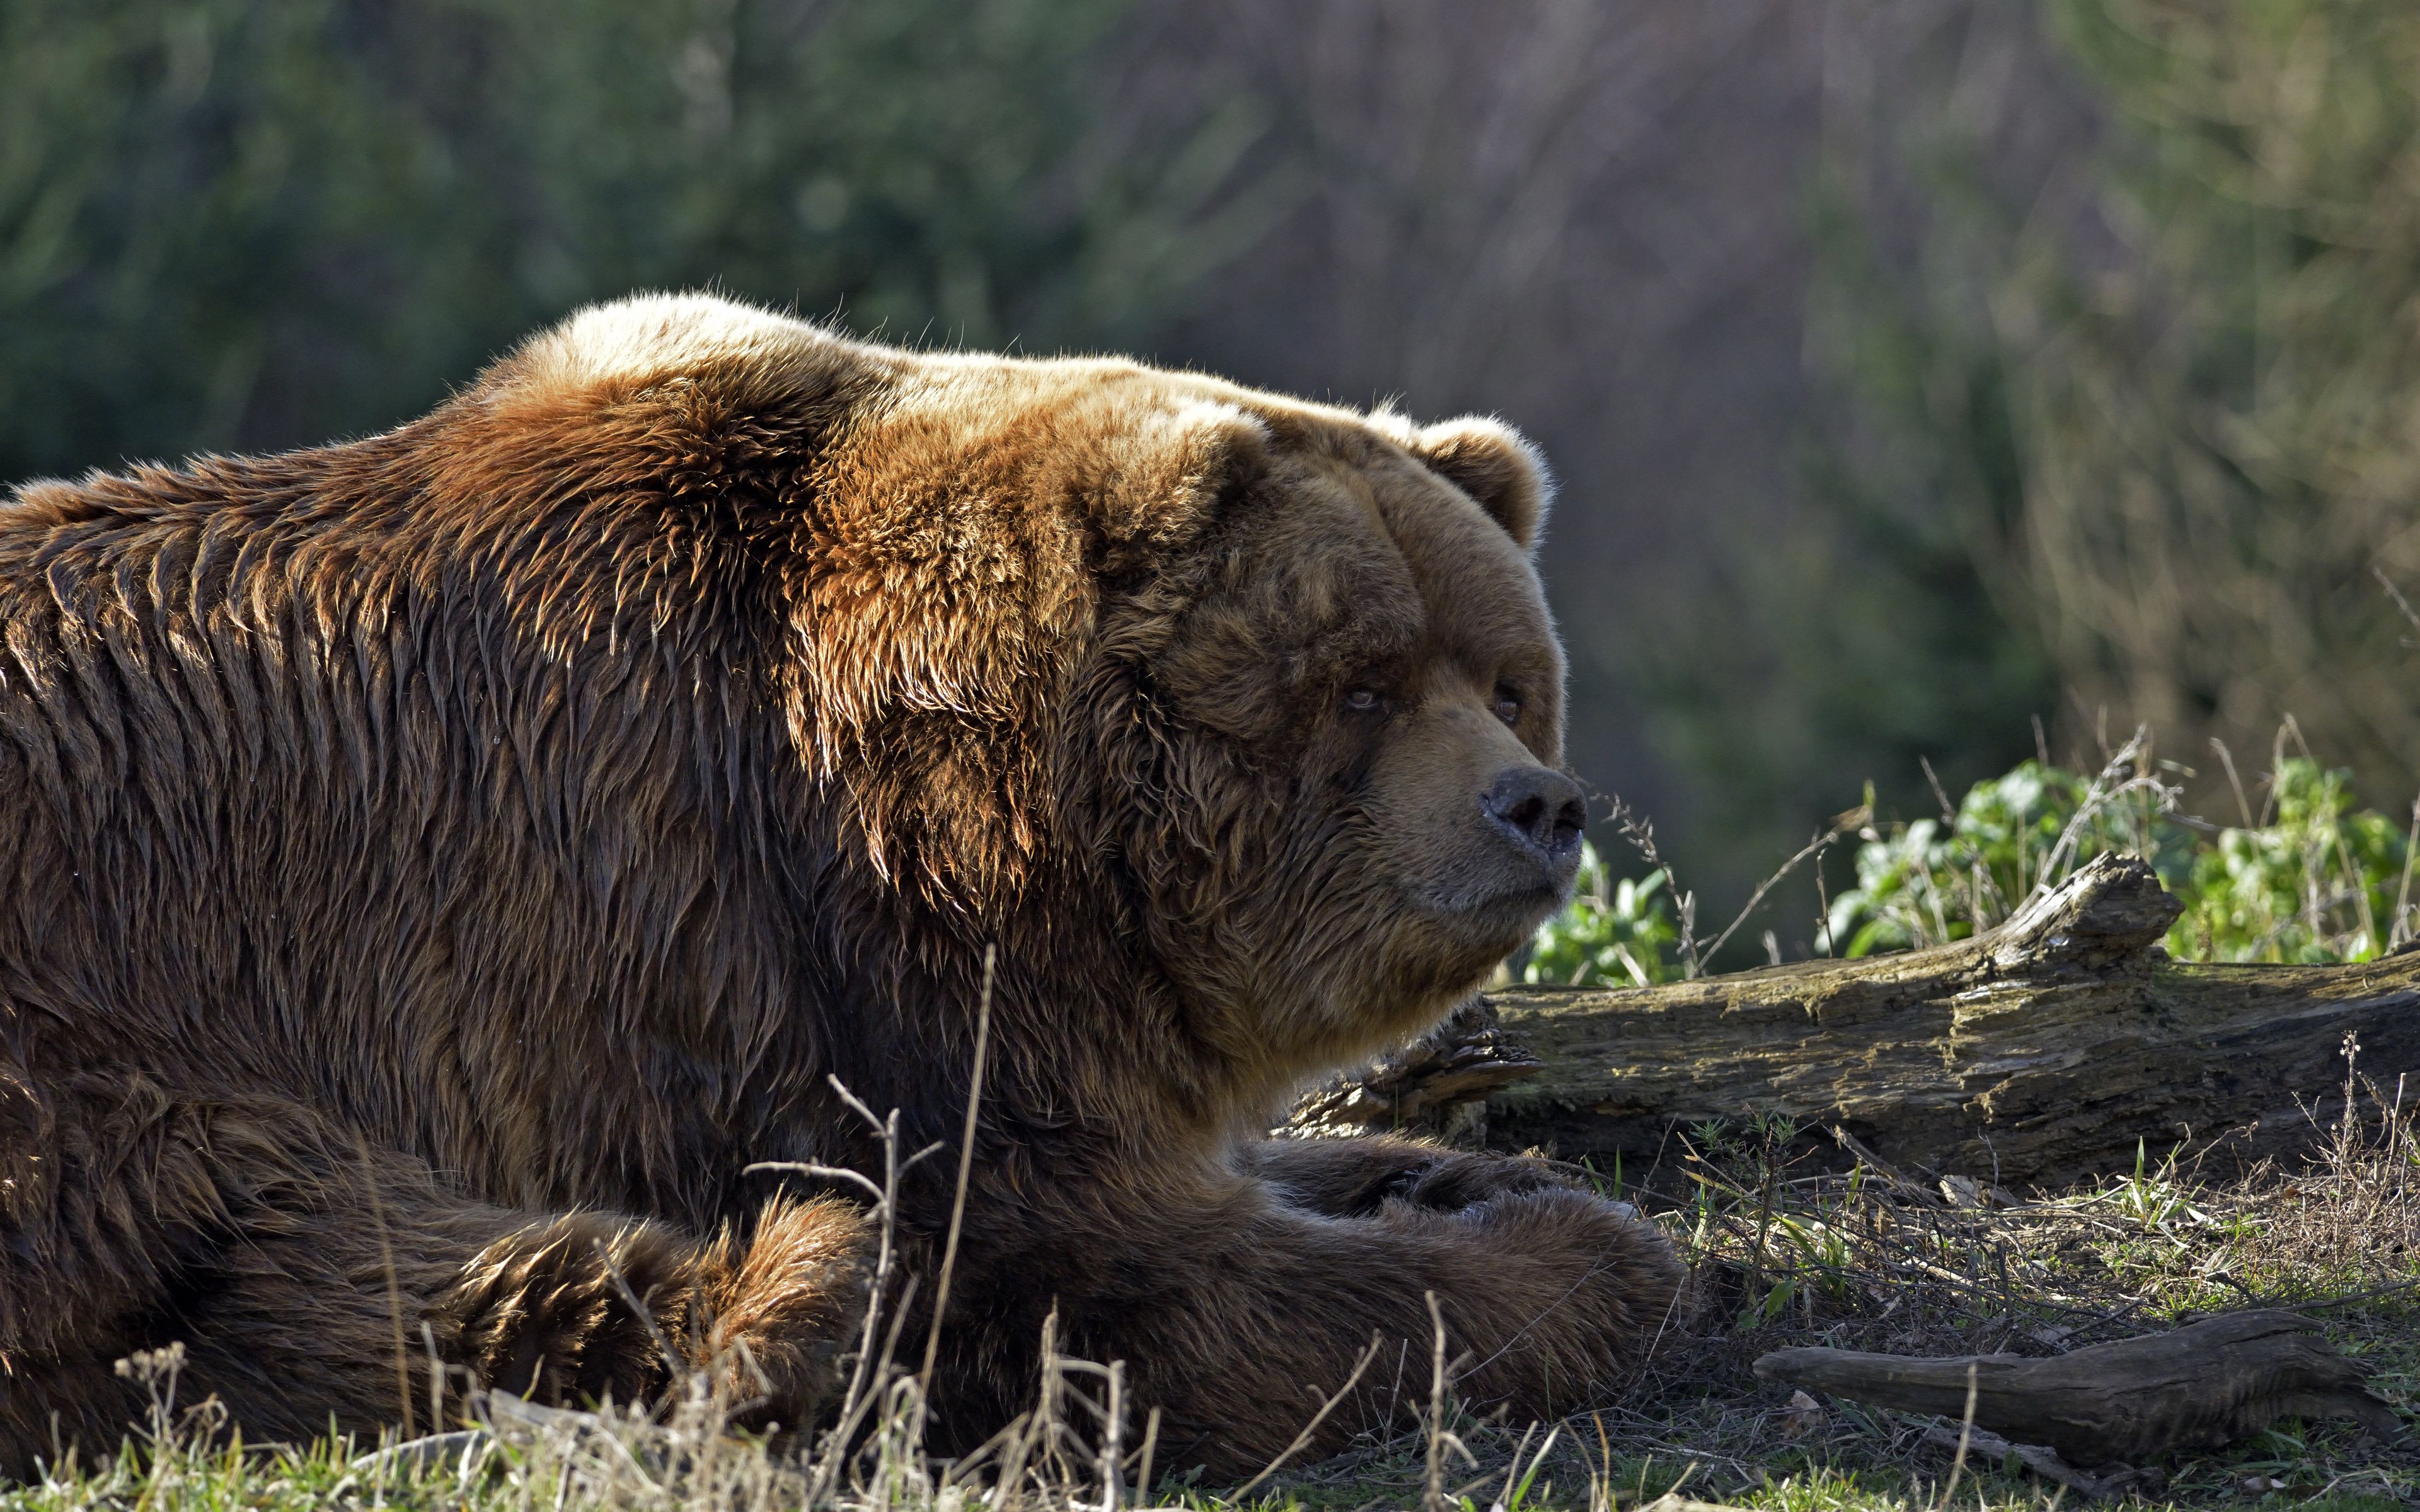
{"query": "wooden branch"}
{"type": "Point", "coordinates": [2201, 1388]}
{"type": "Point", "coordinates": [2040, 1052]}
{"type": "Point", "coordinates": [1990, 1448]}
{"type": "Point", "coordinates": [1437, 1084]}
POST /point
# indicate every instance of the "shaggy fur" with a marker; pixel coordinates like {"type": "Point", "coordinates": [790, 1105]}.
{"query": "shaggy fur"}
{"type": "Point", "coordinates": [433, 868]}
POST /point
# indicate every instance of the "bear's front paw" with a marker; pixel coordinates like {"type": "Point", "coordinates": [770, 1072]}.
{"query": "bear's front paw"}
{"type": "Point", "coordinates": [1362, 1177]}
{"type": "Point", "coordinates": [543, 1312]}
{"type": "Point", "coordinates": [1452, 1181]}
{"type": "Point", "coordinates": [1596, 1287]}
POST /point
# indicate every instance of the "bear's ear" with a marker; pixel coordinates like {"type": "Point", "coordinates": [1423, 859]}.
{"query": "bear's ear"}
{"type": "Point", "coordinates": [1497, 465]}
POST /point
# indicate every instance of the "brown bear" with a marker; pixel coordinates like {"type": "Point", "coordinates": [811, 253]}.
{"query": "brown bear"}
{"type": "Point", "coordinates": [435, 869]}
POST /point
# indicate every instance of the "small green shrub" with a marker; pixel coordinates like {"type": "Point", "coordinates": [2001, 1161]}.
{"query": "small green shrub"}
{"type": "Point", "coordinates": [1935, 880]}
{"type": "Point", "coordinates": [2324, 882]}
{"type": "Point", "coordinates": [1620, 932]}
{"type": "Point", "coordinates": [2314, 878]}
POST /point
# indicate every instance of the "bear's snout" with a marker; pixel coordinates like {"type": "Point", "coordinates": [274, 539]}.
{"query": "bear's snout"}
{"type": "Point", "coordinates": [1540, 811]}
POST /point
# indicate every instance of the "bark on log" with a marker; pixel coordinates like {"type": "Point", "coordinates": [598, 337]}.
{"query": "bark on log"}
{"type": "Point", "coordinates": [2201, 1387]}
{"type": "Point", "coordinates": [2040, 1052]}
{"type": "Point", "coordinates": [1438, 1084]}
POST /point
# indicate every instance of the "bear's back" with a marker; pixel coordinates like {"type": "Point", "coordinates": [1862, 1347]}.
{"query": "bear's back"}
{"type": "Point", "coordinates": [306, 784]}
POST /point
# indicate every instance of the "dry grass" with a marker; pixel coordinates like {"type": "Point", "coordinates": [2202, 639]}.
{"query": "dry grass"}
{"type": "Point", "coordinates": [1884, 1260]}
{"type": "Point", "coordinates": [1877, 1259]}
{"type": "Point", "coordinates": [1872, 1257]}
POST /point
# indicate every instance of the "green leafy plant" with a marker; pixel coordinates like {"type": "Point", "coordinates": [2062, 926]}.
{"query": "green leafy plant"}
{"type": "Point", "coordinates": [1614, 932]}
{"type": "Point", "coordinates": [2321, 882]}
{"type": "Point", "coordinates": [2310, 878]}
{"type": "Point", "coordinates": [1930, 880]}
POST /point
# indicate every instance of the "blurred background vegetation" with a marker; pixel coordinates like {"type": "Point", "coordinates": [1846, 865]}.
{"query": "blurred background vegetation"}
{"type": "Point", "coordinates": [1937, 385]}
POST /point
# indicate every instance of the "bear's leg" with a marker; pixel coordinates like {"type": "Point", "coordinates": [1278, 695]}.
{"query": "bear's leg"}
{"type": "Point", "coordinates": [1354, 1178]}
{"type": "Point", "coordinates": [304, 1316]}
{"type": "Point", "coordinates": [288, 1261]}
{"type": "Point", "coordinates": [1257, 1311]}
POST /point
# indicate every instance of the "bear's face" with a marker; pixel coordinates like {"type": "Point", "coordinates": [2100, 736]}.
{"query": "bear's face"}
{"type": "Point", "coordinates": [1273, 683]}
{"type": "Point", "coordinates": [1365, 697]}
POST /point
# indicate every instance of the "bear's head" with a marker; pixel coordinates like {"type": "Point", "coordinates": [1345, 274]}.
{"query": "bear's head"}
{"type": "Point", "coordinates": [1268, 688]}
{"type": "Point", "coordinates": [1350, 692]}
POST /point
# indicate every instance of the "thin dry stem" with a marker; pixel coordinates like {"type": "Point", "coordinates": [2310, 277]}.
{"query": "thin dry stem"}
{"type": "Point", "coordinates": [965, 1169]}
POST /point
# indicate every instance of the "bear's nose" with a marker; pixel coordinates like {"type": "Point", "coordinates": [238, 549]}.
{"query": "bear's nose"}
{"type": "Point", "coordinates": [1541, 809]}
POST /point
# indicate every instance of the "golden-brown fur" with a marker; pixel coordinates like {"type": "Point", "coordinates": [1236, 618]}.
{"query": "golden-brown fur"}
{"type": "Point", "coordinates": [433, 868]}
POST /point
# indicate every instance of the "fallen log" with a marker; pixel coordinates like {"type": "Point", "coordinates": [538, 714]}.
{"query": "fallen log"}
{"type": "Point", "coordinates": [2201, 1387]}
{"type": "Point", "coordinates": [2047, 1051]}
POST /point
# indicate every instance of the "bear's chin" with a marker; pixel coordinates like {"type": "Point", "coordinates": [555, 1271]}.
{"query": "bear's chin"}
{"type": "Point", "coordinates": [1494, 923]}
{"type": "Point", "coordinates": [1455, 948]}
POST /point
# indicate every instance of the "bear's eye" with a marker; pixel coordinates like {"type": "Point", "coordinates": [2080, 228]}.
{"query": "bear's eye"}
{"type": "Point", "coordinates": [1364, 700]}
{"type": "Point", "coordinates": [1508, 704]}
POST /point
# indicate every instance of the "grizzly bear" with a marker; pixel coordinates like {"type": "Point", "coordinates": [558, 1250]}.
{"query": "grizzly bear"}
{"type": "Point", "coordinates": [440, 873]}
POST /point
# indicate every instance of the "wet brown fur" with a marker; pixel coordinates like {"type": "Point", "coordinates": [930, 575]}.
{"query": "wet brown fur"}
{"type": "Point", "coordinates": [433, 867]}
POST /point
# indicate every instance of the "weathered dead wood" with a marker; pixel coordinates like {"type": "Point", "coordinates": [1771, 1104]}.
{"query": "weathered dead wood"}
{"type": "Point", "coordinates": [2201, 1388]}
{"type": "Point", "coordinates": [1437, 1084]}
{"type": "Point", "coordinates": [2040, 1052]}
{"type": "Point", "coordinates": [1986, 1447]}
